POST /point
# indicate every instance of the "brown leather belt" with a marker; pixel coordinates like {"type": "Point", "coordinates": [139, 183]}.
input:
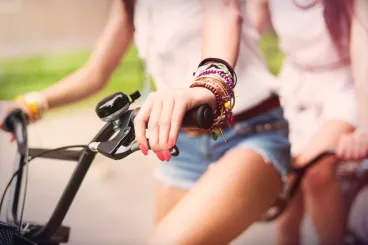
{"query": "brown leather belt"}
{"type": "Point", "coordinates": [272, 102]}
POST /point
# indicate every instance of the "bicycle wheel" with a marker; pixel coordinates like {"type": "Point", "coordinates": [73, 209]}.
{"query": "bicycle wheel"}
{"type": "Point", "coordinates": [7, 233]}
{"type": "Point", "coordinates": [357, 210]}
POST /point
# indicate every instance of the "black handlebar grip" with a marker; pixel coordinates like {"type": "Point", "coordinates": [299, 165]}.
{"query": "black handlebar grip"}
{"type": "Point", "coordinates": [199, 117]}
{"type": "Point", "coordinates": [13, 117]}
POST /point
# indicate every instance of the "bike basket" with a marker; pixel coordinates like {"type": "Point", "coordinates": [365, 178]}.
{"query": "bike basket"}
{"type": "Point", "coordinates": [7, 233]}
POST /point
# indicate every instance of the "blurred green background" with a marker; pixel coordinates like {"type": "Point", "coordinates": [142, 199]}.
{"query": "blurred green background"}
{"type": "Point", "coordinates": [20, 75]}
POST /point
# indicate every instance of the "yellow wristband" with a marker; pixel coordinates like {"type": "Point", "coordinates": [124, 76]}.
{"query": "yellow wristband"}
{"type": "Point", "coordinates": [36, 104]}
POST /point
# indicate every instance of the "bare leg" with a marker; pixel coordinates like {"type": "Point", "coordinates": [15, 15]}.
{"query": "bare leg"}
{"type": "Point", "coordinates": [321, 189]}
{"type": "Point", "coordinates": [166, 199]}
{"type": "Point", "coordinates": [228, 198]}
{"type": "Point", "coordinates": [289, 223]}
{"type": "Point", "coordinates": [323, 196]}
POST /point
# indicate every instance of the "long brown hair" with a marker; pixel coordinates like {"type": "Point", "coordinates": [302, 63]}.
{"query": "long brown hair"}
{"type": "Point", "coordinates": [338, 18]}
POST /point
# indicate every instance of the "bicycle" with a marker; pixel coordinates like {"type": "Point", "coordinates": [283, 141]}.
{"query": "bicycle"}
{"type": "Point", "coordinates": [114, 110]}
{"type": "Point", "coordinates": [355, 174]}
{"type": "Point", "coordinates": [116, 140]}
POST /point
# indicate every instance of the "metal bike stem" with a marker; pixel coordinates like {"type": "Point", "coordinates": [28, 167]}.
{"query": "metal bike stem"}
{"type": "Point", "coordinates": [12, 213]}
{"type": "Point", "coordinates": [18, 123]}
{"type": "Point", "coordinates": [72, 188]}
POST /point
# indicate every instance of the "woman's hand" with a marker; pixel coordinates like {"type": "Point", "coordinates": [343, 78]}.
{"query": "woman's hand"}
{"type": "Point", "coordinates": [7, 107]}
{"type": "Point", "coordinates": [162, 114]}
{"type": "Point", "coordinates": [353, 146]}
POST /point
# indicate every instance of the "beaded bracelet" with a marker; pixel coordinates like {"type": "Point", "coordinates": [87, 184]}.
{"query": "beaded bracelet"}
{"type": "Point", "coordinates": [218, 62]}
{"type": "Point", "coordinates": [217, 69]}
{"type": "Point", "coordinates": [225, 103]}
{"type": "Point", "coordinates": [36, 104]}
{"type": "Point", "coordinates": [219, 73]}
{"type": "Point", "coordinates": [217, 76]}
{"type": "Point", "coordinates": [222, 112]}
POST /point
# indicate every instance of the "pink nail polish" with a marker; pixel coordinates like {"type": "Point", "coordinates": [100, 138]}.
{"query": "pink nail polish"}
{"type": "Point", "coordinates": [167, 156]}
{"type": "Point", "coordinates": [143, 149]}
{"type": "Point", "coordinates": [160, 156]}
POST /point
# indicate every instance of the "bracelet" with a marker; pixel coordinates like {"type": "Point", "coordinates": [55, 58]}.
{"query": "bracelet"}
{"type": "Point", "coordinates": [217, 73]}
{"type": "Point", "coordinates": [217, 69]}
{"type": "Point", "coordinates": [224, 104]}
{"type": "Point", "coordinates": [216, 60]}
{"type": "Point", "coordinates": [219, 78]}
{"type": "Point", "coordinates": [226, 100]}
{"type": "Point", "coordinates": [36, 103]}
{"type": "Point", "coordinates": [222, 112]}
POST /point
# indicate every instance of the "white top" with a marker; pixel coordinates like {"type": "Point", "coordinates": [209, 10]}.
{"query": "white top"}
{"type": "Point", "coordinates": [303, 33]}
{"type": "Point", "coordinates": [310, 97]}
{"type": "Point", "coordinates": [168, 37]}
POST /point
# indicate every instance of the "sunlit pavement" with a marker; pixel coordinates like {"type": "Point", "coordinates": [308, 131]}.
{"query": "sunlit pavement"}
{"type": "Point", "coordinates": [115, 202]}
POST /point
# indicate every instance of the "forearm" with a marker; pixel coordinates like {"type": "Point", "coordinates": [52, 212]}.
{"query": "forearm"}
{"type": "Point", "coordinates": [94, 75]}
{"type": "Point", "coordinates": [221, 30]}
{"type": "Point", "coordinates": [359, 59]}
{"type": "Point", "coordinates": [77, 86]}
{"type": "Point", "coordinates": [259, 15]}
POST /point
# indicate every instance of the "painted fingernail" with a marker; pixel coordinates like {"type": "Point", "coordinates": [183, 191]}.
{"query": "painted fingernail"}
{"type": "Point", "coordinates": [171, 143]}
{"type": "Point", "coordinates": [167, 156]}
{"type": "Point", "coordinates": [143, 150]}
{"type": "Point", "coordinates": [160, 156]}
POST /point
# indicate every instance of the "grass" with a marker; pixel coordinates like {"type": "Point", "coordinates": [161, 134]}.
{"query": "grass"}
{"type": "Point", "coordinates": [270, 48]}
{"type": "Point", "coordinates": [18, 76]}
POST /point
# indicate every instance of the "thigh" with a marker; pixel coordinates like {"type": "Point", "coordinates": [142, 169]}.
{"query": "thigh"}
{"type": "Point", "coordinates": [198, 153]}
{"type": "Point", "coordinates": [323, 174]}
{"type": "Point", "coordinates": [183, 171]}
{"type": "Point", "coordinates": [176, 177]}
{"type": "Point", "coordinates": [166, 199]}
{"type": "Point", "coordinates": [230, 196]}
{"type": "Point", "coordinates": [324, 138]}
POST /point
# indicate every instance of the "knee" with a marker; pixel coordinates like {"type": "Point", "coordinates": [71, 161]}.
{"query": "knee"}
{"type": "Point", "coordinates": [319, 177]}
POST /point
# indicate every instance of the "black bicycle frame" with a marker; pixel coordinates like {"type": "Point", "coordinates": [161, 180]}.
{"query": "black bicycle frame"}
{"type": "Point", "coordinates": [18, 124]}
{"type": "Point", "coordinates": [198, 117]}
{"type": "Point", "coordinates": [85, 159]}
{"type": "Point", "coordinates": [12, 214]}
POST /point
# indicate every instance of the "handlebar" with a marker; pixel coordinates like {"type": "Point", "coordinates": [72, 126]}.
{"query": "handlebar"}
{"type": "Point", "coordinates": [123, 144]}
{"type": "Point", "coordinates": [199, 117]}
{"type": "Point", "coordinates": [116, 148]}
{"type": "Point", "coordinates": [16, 123]}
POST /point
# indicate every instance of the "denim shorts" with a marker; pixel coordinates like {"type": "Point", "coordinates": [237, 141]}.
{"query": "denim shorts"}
{"type": "Point", "coordinates": [197, 153]}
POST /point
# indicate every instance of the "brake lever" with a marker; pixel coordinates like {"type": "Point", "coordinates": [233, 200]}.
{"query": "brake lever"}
{"type": "Point", "coordinates": [124, 151]}
{"type": "Point", "coordinates": [121, 141]}
{"type": "Point", "coordinates": [173, 151]}
{"type": "Point", "coordinates": [124, 143]}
